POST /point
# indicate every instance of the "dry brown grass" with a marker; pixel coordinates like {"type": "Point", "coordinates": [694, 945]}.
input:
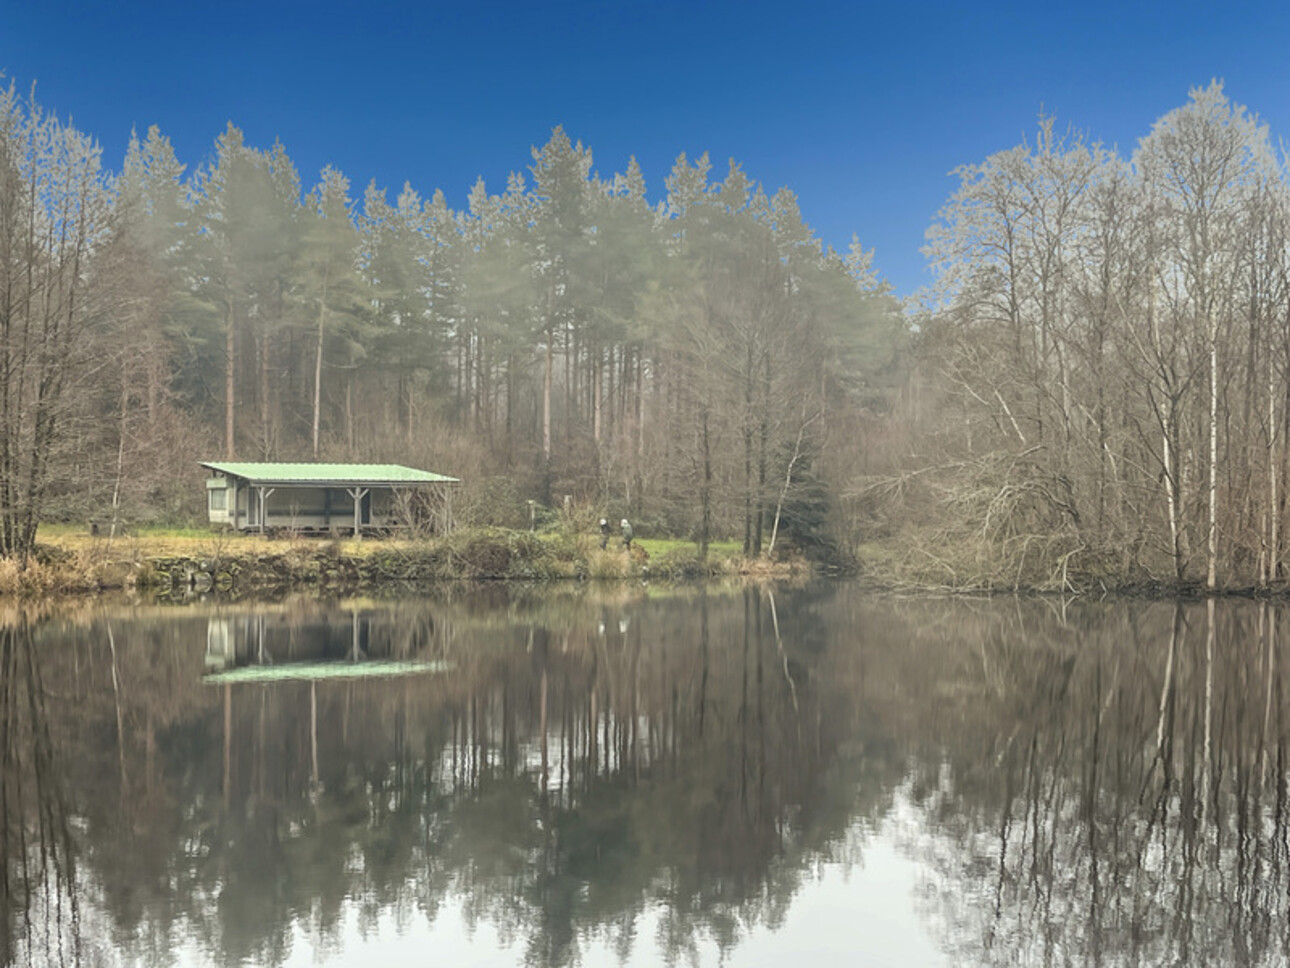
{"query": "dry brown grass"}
{"type": "Point", "coordinates": [69, 573]}
{"type": "Point", "coordinates": [608, 564]}
{"type": "Point", "coordinates": [138, 547]}
{"type": "Point", "coordinates": [73, 561]}
{"type": "Point", "coordinates": [766, 568]}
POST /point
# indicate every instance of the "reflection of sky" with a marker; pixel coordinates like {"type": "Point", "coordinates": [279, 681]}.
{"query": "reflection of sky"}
{"type": "Point", "coordinates": [866, 916]}
{"type": "Point", "coordinates": [845, 914]}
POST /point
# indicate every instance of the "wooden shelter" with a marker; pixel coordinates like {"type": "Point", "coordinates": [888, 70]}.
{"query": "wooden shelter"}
{"type": "Point", "coordinates": [258, 496]}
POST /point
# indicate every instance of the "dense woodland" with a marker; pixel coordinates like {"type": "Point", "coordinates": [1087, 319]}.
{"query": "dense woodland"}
{"type": "Point", "coordinates": [1106, 354]}
{"type": "Point", "coordinates": [1094, 390]}
{"type": "Point", "coordinates": [691, 363]}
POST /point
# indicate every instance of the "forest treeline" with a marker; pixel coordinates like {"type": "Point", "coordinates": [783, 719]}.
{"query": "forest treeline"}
{"type": "Point", "coordinates": [1104, 356]}
{"type": "Point", "coordinates": [698, 364]}
{"type": "Point", "coordinates": [1094, 390]}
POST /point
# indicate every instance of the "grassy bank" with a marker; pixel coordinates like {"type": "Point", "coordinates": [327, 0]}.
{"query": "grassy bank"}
{"type": "Point", "coordinates": [71, 560]}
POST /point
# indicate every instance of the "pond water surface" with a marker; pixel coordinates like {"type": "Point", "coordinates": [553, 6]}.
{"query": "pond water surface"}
{"type": "Point", "coordinates": [629, 775]}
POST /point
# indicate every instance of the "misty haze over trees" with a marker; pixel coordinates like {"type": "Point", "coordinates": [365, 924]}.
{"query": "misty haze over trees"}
{"type": "Point", "coordinates": [698, 363]}
{"type": "Point", "coordinates": [1093, 390]}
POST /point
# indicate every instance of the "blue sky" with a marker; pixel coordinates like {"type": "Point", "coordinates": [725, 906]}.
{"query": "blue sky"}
{"type": "Point", "coordinates": [861, 109]}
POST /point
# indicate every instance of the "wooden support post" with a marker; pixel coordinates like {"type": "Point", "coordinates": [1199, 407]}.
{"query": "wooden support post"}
{"type": "Point", "coordinates": [264, 493]}
{"type": "Point", "coordinates": [358, 493]}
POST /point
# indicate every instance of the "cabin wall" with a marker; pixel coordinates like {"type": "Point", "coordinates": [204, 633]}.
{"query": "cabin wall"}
{"type": "Point", "coordinates": [298, 508]}
{"type": "Point", "coordinates": [219, 501]}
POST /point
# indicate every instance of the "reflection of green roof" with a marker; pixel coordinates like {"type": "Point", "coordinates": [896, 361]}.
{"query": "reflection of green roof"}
{"type": "Point", "coordinates": [378, 668]}
{"type": "Point", "coordinates": [259, 472]}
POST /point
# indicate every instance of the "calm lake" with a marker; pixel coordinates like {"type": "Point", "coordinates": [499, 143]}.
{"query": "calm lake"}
{"type": "Point", "coordinates": [606, 775]}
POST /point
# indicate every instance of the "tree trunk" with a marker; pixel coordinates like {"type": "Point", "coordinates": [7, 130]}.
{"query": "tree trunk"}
{"type": "Point", "coordinates": [266, 417]}
{"type": "Point", "coordinates": [1274, 556]}
{"type": "Point", "coordinates": [705, 490]}
{"type": "Point", "coordinates": [763, 456]}
{"type": "Point", "coordinates": [597, 385]}
{"type": "Point", "coordinates": [349, 414]}
{"type": "Point", "coordinates": [318, 362]}
{"type": "Point", "coordinates": [230, 381]}
{"type": "Point", "coordinates": [510, 405]}
{"type": "Point", "coordinates": [748, 449]}
{"type": "Point", "coordinates": [549, 362]}
{"type": "Point", "coordinates": [1173, 494]}
{"type": "Point", "coordinates": [1211, 579]}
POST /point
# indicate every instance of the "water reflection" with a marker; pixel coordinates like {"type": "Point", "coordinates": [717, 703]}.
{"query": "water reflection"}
{"type": "Point", "coordinates": [592, 772]}
{"type": "Point", "coordinates": [1128, 806]}
{"type": "Point", "coordinates": [38, 896]}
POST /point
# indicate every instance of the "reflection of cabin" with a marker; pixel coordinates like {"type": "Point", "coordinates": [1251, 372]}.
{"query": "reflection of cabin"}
{"type": "Point", "coordinates": [257, 647]}
{"type": "Point", "coordinates": [258, 639]}
{"type": "Point", "coordinates": [251, 496]}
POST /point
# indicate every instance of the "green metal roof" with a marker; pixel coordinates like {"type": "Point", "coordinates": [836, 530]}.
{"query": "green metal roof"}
{"type": "Point", "coordinates": [259, 472]}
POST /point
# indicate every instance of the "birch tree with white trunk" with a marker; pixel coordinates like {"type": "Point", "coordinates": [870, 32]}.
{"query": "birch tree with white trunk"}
{"type": "Point", "coordinates": [1203, 163]}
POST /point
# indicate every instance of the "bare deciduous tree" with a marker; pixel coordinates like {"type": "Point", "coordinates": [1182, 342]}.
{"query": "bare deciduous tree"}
{"type": "Point", "coordinates": [55, 206]}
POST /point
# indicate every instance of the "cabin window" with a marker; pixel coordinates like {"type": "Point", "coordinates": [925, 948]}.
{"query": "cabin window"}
{"type": "Point", "coordinates": [218, 498]}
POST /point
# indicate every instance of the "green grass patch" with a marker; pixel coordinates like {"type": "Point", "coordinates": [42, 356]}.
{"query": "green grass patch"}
{"type": "Point", "coordinates": [63, 529]}
{"type": "Point", "coordinates": [164, 531]}
{"type": "Point", "coordinates": [659, 547]}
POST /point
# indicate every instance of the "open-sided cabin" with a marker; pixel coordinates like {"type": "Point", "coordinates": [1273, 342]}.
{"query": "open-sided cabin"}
{"type": "Point", "coordinates": [259, 496]}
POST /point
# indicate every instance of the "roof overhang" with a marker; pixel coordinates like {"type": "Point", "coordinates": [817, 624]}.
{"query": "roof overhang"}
{"type": "Point", "coordinates": [275, 474]}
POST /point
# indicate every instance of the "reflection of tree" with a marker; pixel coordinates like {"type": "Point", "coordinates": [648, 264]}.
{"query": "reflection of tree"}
{"type": "Point", "coordinates": [1094, 784]}
{"type": "Point", "coordinates": [1130, 805]}
{"type": "Point", "coordinates": [39, 914]}
{"type": "Point", "coordinates": [591, 757]}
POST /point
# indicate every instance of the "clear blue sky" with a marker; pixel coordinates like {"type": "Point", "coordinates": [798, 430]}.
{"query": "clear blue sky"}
{"type": "Point", "coordinates": [861, 109]}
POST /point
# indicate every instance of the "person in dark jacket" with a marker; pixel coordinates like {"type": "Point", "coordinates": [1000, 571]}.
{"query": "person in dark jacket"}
{"type": "Point", "coordinates": [627, 535]}
{"type": "Point", "coordinates": [604, 533]}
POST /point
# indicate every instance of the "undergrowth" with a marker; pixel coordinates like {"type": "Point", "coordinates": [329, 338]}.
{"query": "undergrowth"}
{"type": "Point", "coordinates": [74, 560]}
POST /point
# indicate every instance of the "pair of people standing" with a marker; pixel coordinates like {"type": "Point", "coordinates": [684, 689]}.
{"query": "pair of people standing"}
{"type": "Point", "coordinates": [604, 534]}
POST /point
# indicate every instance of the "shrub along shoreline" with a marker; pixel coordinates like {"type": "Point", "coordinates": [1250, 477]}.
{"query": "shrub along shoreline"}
{"type": "Point", "coordinates": [71, 563]}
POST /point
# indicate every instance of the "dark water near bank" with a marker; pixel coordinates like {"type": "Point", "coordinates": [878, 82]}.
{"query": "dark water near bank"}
{"type": "Point", "coordinates": [629, 776]}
